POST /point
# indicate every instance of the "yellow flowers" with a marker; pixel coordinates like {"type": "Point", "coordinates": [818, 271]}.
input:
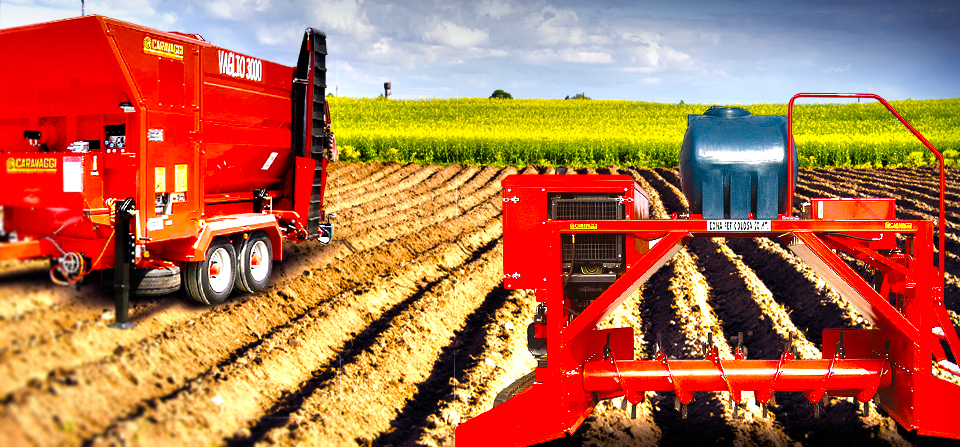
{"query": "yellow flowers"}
{"type": "Point", "coordinates": [627, 133]}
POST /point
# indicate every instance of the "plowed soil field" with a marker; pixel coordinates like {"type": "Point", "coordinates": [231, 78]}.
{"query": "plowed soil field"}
{"type": "Point", "coordinates": [400, 329]}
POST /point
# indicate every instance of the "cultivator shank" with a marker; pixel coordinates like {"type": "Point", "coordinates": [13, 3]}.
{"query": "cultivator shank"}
{"type": "Point", "coordinates": [579, 364]}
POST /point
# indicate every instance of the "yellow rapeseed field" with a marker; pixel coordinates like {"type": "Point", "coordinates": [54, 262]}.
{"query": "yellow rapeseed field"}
{"type": "Point", "coordinates": [627, 133]}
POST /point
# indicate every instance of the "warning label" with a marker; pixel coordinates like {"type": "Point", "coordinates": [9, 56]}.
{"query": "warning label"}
{"type": "Point", "coordinates": [159, 179]}
{"type": "Point", "coordinates": [180, 174]}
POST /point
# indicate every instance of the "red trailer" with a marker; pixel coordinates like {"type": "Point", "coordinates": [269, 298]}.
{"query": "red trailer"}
{"type": "Point", "coordinates": [159, 156]}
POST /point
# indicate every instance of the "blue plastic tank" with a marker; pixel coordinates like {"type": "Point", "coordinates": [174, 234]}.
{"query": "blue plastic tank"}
{"type": "Point", "coordinates": [734, 164]}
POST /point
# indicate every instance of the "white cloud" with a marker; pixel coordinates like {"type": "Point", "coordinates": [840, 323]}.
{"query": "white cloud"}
{"type": "Point", "coordinates": [550, 56]}
{"type": "Point", "coordinates": [839, 69]}
{"type": "Point", "coordinates": [586, 57]}
{"type": "Point", "coordinates": [388, 55]}
{"type": "Point", "coordinates": [553, 26]}
{"type": "Point", "coordinates": [496, 8]}
{"type": "Point", "coordinates": [449, 34]}
{"type": "Point", "coordinates": [383, 47]}
{"type": "Point", "coordinates": [236, 9]}
{"type": "Point", "coordinates": [646, 55]}
{"type": "Point", "coordinates": [220, 10]}
{"type": "Point", "coordinates": [346, 16]}
{"type": "Point", "coordinates": [280, 34]}
{"type": "Point", "coordinates": [142, 12]}
{"type": "Point", "coordinates": [12, 15]}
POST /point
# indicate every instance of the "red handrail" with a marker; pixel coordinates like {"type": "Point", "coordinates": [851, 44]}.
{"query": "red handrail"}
{"type": "Point", "coordinates": [941, 223]}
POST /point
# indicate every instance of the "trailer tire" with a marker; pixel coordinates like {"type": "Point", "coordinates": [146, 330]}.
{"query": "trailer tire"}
{"type": "Point", "coordinates": [254, 263]}
{"type": "Point", "coordinates": [146, 282]}
{"type": "Point", "coordinates": [518, 386]}
{"type": "Point", "coordinates": [210, 281]}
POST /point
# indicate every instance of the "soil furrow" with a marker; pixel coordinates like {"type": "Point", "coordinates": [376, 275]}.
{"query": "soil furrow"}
{"type": "Point", "coordinates": [403, 318]}
{"type": "Point", "coordinates": [216, 316]}
{"type": "Point", "coordinates": [745, 306]}
{"type": "Point", "coordinates": [424, 186]}
{"type": "Point", "coordinates": [376, 177]}
{"type": "Point", "coordinates": [459, 177]}
{"type": "Point", "coordinates": [418, 415]}
{"type": "Point", "coordinates": [657, 210]}
{"type": "Point", "coordinates": [672, 199]}
{"type": "Point", "coordinates": [367, 389]}
{"type": "Point", "coordinates": [417, 202]}
{"type": "Point", "coordinates": [875, 185]}
{"type": "Point", "coordinates": [611, 424]}
{"type": "Point", "coordinates": [487, 359]}
{"type": "Point", "coordinates": [918, 203]}
{"type": "Point", "coordinates": [688, 315]}
{"type": "Point", "coordinates": [411, 174]}
{"type": "Point", "coordinates": [812, 305]}
{"type": "Point", "coordinates": [671, 176]}
{"type": "Point", "coordinates": [224, 399]}
{"type": "Point", "coordinates": [78, 327]}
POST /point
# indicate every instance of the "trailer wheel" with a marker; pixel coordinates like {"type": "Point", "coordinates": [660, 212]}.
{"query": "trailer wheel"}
{"type": "Point", "coordinates": [211, 280]}
{"type": "Point", "coordinates": [146, 282]}
{"type": "Point", "coordinates": [254, 263]}
{"type": "Point", "coordinates": [517, 387]}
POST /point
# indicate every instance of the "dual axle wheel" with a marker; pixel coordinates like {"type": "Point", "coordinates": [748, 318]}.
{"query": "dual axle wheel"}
{"type": "Point", "coordinates": [245, 266]}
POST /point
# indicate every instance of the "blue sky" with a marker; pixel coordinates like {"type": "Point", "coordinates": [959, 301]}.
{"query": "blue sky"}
{"type": "Point", "coordinates": [719, 51]}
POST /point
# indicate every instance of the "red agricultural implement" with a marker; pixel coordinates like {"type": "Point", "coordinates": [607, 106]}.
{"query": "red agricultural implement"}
{"type": "Point", "coordinates": [158, 157]}
{"type": "Point", "coordinates": [585, 244]}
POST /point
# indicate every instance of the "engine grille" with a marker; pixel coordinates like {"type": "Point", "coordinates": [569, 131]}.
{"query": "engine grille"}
{"type": "Point", "coordinates": [593, 248]}
{"type": "Point", "coordinates": [590, 247]}
{"type": "Point", "coordinates": [585, 208]}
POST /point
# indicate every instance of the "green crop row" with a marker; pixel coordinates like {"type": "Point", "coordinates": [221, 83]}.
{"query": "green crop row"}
{"type": "Point", "coordinates": [518, 132]}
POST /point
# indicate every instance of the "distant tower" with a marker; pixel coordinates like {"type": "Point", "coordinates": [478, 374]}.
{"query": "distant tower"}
{"type": "Point", "coordinates": [386, 90]}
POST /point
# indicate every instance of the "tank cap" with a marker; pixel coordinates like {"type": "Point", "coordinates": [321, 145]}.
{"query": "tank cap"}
{"type": "Point", "coordinates": [726, 112]}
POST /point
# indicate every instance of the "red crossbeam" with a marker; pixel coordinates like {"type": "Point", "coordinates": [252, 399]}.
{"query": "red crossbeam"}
{"type": "Point", "coordinates": [603, 376]}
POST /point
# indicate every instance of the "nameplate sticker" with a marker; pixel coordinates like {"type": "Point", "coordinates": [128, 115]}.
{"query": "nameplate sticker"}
{"type": "Point", "coordinates": [738, 225]}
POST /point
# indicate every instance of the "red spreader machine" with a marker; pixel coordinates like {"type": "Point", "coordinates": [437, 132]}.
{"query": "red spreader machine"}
{"type": "Point", "coordinates": [585, 244]}
{"type": "Point", "coordinates": [158, 157]}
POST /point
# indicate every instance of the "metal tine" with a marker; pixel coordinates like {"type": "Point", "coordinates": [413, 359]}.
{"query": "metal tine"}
{"type": "Point", "coordinates": [841, 351]}
{"type": "Point", "coordinates": [607, 349]}
{"type": "Point", "coordinates": [633, 412]}
{"type": "Point", "coordinates": [623, 403]}
{"type": "Point", "coordinates": [683, 411]}
{"type": "Point", "coordinates": [659, 346]}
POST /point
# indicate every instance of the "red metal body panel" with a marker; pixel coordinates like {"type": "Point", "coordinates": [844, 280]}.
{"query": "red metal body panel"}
{"type": "Point", "coordinates": [584, 365]}
{"type": "Point", "coordinates": [203, 129]}
{"type": "Point", "coordinates": [867, 209]}
{"type": "Point", "coordinates": [304, 184]}
{"type": "Point", "coordinates": [521, 268]}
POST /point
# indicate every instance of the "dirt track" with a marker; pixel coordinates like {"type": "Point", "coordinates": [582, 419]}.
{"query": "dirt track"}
{"type": "Point", "coordinates": [399, 330]}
